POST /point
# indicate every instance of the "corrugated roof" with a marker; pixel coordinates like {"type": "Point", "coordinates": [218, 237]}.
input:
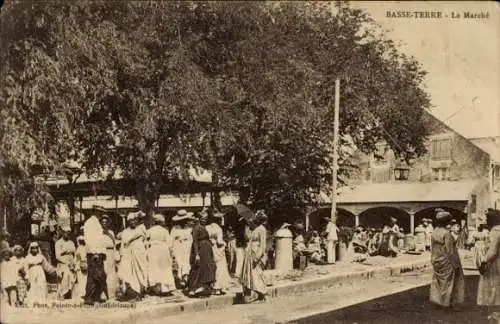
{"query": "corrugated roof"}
{"type": "Point", "coordinates": [407, 191]}
{"type": "Point", "coordinates": [202, 176]}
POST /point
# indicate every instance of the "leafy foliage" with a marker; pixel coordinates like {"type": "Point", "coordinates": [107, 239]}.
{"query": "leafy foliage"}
{"type": "Point", "coordinates": [243, 89]}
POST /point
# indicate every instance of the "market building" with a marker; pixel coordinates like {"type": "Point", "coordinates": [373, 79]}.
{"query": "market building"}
{"type": "Point", "coordinates": [457, 174]}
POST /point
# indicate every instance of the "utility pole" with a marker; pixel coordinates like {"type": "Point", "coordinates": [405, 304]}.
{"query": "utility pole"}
{"type": "Point", "coordinates": [335, 150]}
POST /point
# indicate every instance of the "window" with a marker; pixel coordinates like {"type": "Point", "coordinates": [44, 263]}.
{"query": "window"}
{"type": "Point", "coordinates": [380, 153]}
{"type": "Point", "coordinates": [440, 173]}
{"type": "Point", "coordinates": [441, 149]}
{"type": "Point", "coordinates": [473, 203]}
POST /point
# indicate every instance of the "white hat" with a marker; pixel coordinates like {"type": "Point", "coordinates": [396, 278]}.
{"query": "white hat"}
{"type": "Point", "coordinates": [181, 215]}
{"type": "Point", "coordinates": [159, 218]}
{"type": "Point", "coordinates": [33, 244]}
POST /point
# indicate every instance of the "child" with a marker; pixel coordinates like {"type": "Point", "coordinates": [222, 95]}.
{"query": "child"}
{"type": "Point", "coordinates": [81, 268]}
{"type": "Point", "coordinates": [9, 277]}
{"type": "Point", "coordinates": [21, 282]}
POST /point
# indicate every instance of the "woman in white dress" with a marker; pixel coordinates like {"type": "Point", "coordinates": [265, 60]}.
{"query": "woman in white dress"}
{"type": "Point", "coordinates": [160, 276]}
{"type": "Point", "coordinates": [133, 262]}
{"type": "Point", "coordinates": [216, 235]}
{"type": "Point", "coordinates": [35, 267]}
{"type": "Point", "coordinates": [65, 255]}
{"type": "Point", "coordinates": [181, 244]}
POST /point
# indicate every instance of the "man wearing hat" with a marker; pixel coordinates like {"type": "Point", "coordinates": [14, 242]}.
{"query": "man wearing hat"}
{"type": "Point", "coordinates": [448, 284]}
{"type": "Point", "coordinates": [65, 251]}
{"type": "Point", "coordinates": [331, 238]}
{"type": "Point", "coordinates": [96, 253]}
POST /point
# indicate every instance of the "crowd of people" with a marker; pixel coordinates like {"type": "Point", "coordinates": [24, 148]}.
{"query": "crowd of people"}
{"type": "Point", "coordinates": [199, 255]}
{"type": "Point", "coordinates": [195, 256]}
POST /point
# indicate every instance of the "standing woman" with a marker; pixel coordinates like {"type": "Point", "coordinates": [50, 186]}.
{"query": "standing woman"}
{"type": "Point", "coordinates": [222, 278]}
{"type": "Point", "coordinates": [181, 244]}
{"type": "Point", "coordinates": [448, 285]}
{"type": "Point", "coordinates": [202, 275]}
{"type": "Point", "coordinates": [133, 264]}
{"type": "Point", "coordinates": [110, 261]}
{"type": "Point", "coordinates": [160, 276]}
{"type": "Point", "coordinates": [488, 293]}
{"type": "Point", "coordinates": [35, 267]}
{"type": "Point", "coordinates": [65, 255]}
{"type": "Point", "coordinates": [252, 278]}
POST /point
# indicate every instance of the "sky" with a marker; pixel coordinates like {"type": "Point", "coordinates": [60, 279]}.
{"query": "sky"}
{"type": "Point", "coordinates": [461, 57]}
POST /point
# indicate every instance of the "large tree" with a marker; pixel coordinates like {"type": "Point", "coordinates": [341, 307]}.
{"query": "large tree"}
{"type": "Point", "coordinates": [243, 89]}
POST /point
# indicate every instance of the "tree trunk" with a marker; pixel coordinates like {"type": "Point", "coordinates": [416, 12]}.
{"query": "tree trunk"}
{"type": "Point", "coordinates": [147, 193]}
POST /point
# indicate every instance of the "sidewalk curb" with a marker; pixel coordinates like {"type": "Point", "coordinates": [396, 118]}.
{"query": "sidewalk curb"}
{"type": "Point", "coordinates": [155, 312]}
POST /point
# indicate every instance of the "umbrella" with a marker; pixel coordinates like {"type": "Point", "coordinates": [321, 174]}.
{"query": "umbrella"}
{"type": "Point", "coordinates": [244, 212]}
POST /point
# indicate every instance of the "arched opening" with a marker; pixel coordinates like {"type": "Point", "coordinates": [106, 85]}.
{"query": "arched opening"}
{"type": "Point", "coordinates": [344, 218]}
{"type": "Point", "coordinates": [430, 213]}
{"type": "Point", "coordinates": [377, 217]}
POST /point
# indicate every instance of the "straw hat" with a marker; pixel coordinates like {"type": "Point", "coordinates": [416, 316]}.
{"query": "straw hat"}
{"type": "Point", "coordinates": [181, 215]}
{"type": "Point", "coordinates": [442, 214]}
{"type": "Point", "coordinates": [66, 228]}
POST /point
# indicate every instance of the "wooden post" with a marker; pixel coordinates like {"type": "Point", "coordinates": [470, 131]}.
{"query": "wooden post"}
{"type": "Point", "coordinates": [335, 150]}
{"type": "Point", "coordinates": [412, 222]}
{"type": "Point", "coordinates": [356, 220]}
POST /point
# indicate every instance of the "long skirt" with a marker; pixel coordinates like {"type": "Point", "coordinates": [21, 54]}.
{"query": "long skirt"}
{"type": "Point", "coordinates": [68, 280]}
{"type": "Point", "coordinates": [448, 285]}
{"type": "Point", "coordinates": [330, 251]}
{"type": "Point", "coordinates": [81, 282]}
{"type": "Point", "coordinates": [111, 275]}
{"type": "Point", "coordinates": [252, 276]}
{"type": "Point", "coordinates": [240, 255]}
{"type": "Point", "coordinates": [181, 252]}
{"type": "Point", "coordinates": [38, 291]}
{"type": "Point", "coordinates": [160, 268]}
{"type": "Point", "coordinates": [202, 272]}
{"type": "Point", "coordinates": [133, 268]}
{"type": "Point", "coordinates": [488, 292]}
{"type": "Point", "coordinates": [222, 277]}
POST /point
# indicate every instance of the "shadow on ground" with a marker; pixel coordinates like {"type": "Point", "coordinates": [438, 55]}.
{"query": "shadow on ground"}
{"type": "Point", "coordinates": [411, 306]}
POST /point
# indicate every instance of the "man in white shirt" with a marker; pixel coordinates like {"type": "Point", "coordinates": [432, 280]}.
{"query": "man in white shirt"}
{"type": "Point", "coordinates": [331, 238]}
{"type": "Point", "coordinates": [96, 253]}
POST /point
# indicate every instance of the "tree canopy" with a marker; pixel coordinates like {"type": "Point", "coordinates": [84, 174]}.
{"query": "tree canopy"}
{"type": "Point", "coordinates": [243, 89]}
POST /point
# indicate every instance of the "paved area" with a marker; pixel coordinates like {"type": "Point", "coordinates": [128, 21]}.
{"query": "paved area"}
{"type": "Point", "coordinates": [289, 308]}
{"type": "Point", "coordinates": [151, 307]}
{"type": "Point", "coordinates": [410, 306]}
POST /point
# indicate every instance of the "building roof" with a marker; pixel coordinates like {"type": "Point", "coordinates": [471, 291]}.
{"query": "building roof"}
{"type": "Point", "coordinates": [405, 192]}
{"type": "Point", "coordinates": [490, 144]}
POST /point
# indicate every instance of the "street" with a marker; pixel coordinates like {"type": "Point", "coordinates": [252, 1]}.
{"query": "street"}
{"type": "Point", "coordinates": [410, 306]}
{"type": "Point", "coordinates": [397, 299]}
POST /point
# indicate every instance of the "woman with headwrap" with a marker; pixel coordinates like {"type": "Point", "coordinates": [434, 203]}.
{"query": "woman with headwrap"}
{"type": "Point", "coordinates": [110, 260]}
{"type": "Point", "coordinates": [160, 276]}
{"type": "Point", "coordinates": [81, 268]}
{"type": "Point", "coordinates": [448, 285]}
{"type": "Point", "coordinates": [222, 277]}
{"type": "Point", "coordinates": [65, 256]}
{"type": "Point", "coordinates": [202, 275]}
{"type": "Point", "coordinates": [488, 293]}
{"type": "Point", "coordinates": [182, 241]}
{"type": "Point", "coordinates": [133, 263]}
{"type": "Point", "coordinates": [35, 267]}
{"type": "Point", "coordinates": [252, 278]}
